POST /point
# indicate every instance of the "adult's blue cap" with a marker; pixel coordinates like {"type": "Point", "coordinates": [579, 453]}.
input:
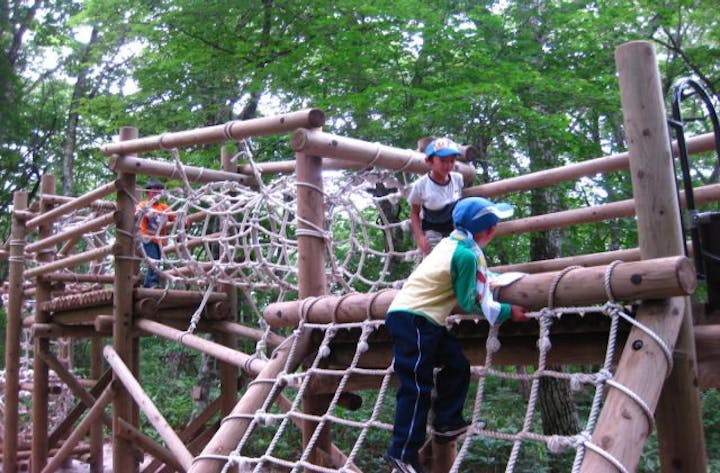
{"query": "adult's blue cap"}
{"type": "Point", "coordinates": [442, 147]}
{"type": "Point", "coordinates": [477, 214]}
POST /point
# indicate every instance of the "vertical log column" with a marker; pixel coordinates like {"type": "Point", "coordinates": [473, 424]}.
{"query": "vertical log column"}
{"type": "Point", "coordinates": [123, 341]}
{"type": "Point", "coordinates": [12, 333]}
{"type": "Point", "coordinates": [311, 273]}
{"type": "Point", "coordinates": [228, 372]}
{"type": "Point", "coordinates": [623, 427]}
{"type": "Point", "coordinates": [679, 410]}
{"type": "Point", "coordinates": [212, 458]}
{"type": "Point", "coordinates": [41, 345]}
{"type": "Point", "coordinates": [96, 429]}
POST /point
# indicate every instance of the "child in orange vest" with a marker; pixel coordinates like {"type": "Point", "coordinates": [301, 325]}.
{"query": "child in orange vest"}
{"type": "Point", "coordinates": [152, 227]}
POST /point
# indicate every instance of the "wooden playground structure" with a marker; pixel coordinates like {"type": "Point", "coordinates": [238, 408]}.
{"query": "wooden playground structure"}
{"type": "Point", "coordinates": [655, 383]}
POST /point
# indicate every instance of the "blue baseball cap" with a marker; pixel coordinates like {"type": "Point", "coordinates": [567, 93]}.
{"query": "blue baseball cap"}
{"type": "Point", "coordinates": [442, 147]}
{"type": "Point", "coordinates": [476, 214]}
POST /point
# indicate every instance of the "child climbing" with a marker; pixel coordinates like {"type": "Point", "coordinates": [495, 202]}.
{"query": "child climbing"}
{"type": "Point", "coordinates": [155, 214]}
{"type": "Point", "coordinates": [454, 273]}
{"type": "Point", "coordinates": [433, 195]}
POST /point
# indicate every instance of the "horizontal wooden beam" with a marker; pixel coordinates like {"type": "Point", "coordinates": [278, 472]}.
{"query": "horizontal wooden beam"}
{"type": "Point", "coordinates": [70, 261]}
{"type": "Point", "coordinates": [230, 131]}
{"type": "Point", "coordinates": [647, 279]}
{"type": "Point", "coordinates": [80, 277]}
{"type": "Point", "coordinates": [63, 331]}
{"type": "Point", "coordinates": [89, 226]}
{"type": "Point", "coordinates": [567, 348]}
{"type": "Point", "coordinates": [77, 203]}
{"type": "Point", "coordinates": [327, 145]}
{"type": "Point", "coordinates": [570, 172]}
{"type": "Point", "coordinates": [166, 169]}
{"type": "Point", "coordinates": [595, 213]}
{"type": "Point", "coordinates": [55, 199]}
{"type": "Point", "coordinates": [591, 259]}
{"type": "Point", "coordinates": [176, 297]}
{"type": "Point", "coordinates": [247, 363]}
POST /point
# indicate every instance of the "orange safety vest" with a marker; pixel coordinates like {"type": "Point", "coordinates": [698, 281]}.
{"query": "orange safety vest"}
{"type": "Point", "coordinates": [152, 224]}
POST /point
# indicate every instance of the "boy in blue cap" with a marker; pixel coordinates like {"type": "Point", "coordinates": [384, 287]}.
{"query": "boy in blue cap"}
{"type": "Point", "coordinates": [454, 273]}
{"type": "Point", "coordinates": [434, 194]}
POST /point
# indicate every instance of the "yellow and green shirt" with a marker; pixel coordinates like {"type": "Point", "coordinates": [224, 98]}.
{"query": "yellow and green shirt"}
{"type": "Point", "coordinates": [454, 273]}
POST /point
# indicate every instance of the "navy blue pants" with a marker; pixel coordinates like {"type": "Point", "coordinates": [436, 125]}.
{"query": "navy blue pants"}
{"type": "Point", "coordinates": [418, 346]}
{"type": "Point", "coordinates": [152, 250]}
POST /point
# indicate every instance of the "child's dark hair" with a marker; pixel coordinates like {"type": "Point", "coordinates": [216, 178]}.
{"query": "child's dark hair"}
{"type": "Point", "coordinates": [153, 184]}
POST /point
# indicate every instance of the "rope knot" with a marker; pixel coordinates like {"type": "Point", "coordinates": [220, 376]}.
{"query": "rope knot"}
{"type": "Point", "coordinates": [544, 344]}
{"type": "Point", "coordinates": [612, 309]}
{"type": "Point", "coordinates": [581, 438]}
{"type": "Point", "coordinates": [603, 375]}
{"type": "Point", "coordinates": [493, 344]}
{"type": "Point", "coordinates": [558, 443]}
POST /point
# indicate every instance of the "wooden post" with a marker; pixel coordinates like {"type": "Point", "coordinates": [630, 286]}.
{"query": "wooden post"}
{"type": "Point", "coordinates": [123, 458]}
{"type": "Point", "coordinates": [149, 445]}
{"type": "Point", "coordinates": [311, 276]}
{"type": "Point", "coordinates": [96, 429]}
{"type": "Point", "coordinates": [40, 419]}
{"type": "Point", "coordinates": [228, 372]}
{"type": "Point", "coordinates": [125, 376]}
{"type": "Point", "coordinates": [16, 265]}
{"type": "Point", "coordinates": [93, 414]}
{"type": "Point", "coordinates": [233, 428]}
{"type": "Point", "coordinates": [622, 427]}
{"type": "Point", "coordinates": [73, 384]}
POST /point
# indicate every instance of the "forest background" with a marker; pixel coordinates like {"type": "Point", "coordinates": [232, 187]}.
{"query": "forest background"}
{"type": "Point", "coordinates": [530, 84]}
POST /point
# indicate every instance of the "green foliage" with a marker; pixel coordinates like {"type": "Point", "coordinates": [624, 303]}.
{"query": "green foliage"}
{"type": "Point", "coordinates": [531, 85]}
{"type": "Point", "coordinates": [162, 362]}
{"type": "Point", "coordinates": [711, 420]}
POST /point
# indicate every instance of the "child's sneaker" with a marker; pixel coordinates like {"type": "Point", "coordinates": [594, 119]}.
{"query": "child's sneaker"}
{"type": "Point", "coordinates": [447, 434]}
{"type": "Point", "coordinates": [403, 467]}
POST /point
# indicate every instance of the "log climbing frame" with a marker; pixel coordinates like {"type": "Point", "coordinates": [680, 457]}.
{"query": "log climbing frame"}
{"type": "Point", "coordinates": [664, 388]}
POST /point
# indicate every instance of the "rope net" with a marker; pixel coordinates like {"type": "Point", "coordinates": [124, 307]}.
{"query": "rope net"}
{"type": "Point", "coordinates": [272, 441]}
{"type": "Point", "coordinates": [224, 233]}
{"type": "Point", "coordinates": [227, 233]}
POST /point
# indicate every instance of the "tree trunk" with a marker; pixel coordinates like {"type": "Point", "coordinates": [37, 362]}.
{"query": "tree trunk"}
{"type": "Point", "coordinates": [559, 416]}
{"type": "Point", "coordinates": [79, 91]}
{"type": "Point", "coordinates": [207, 378]}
